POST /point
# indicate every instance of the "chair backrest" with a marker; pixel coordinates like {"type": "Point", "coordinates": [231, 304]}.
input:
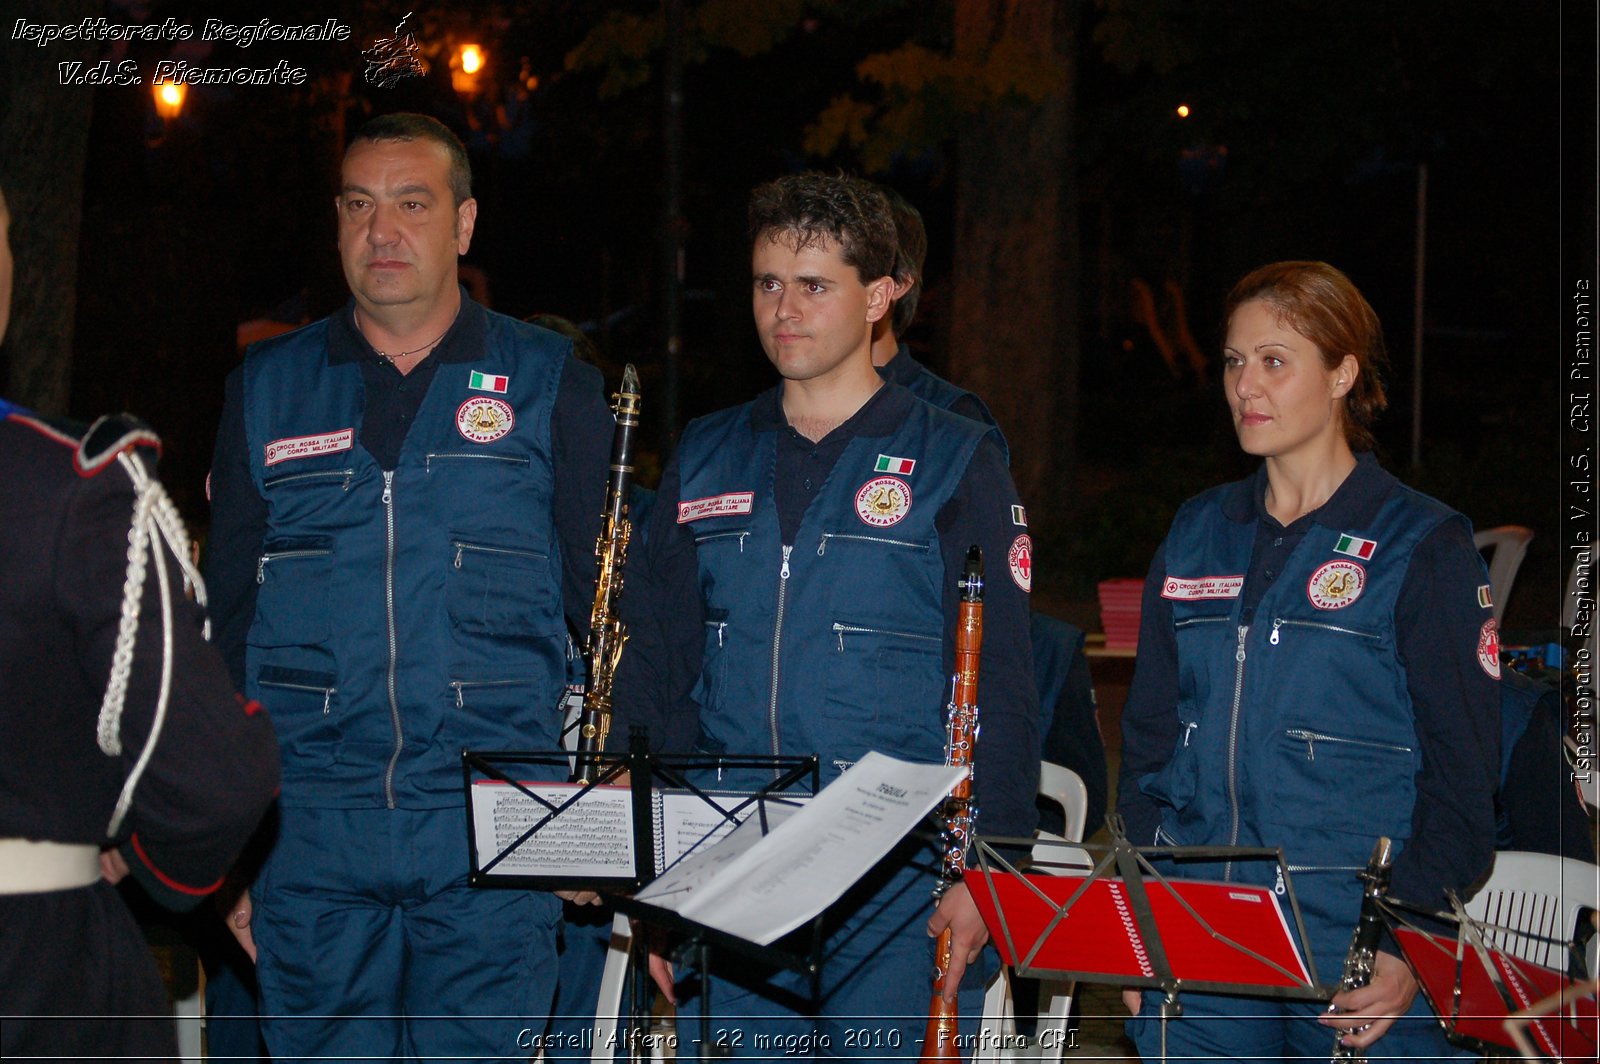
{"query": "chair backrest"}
{"type": "Point", "coordinates": [1541, 894]}
{"type": "Point", "coordinates": [1505, 545]}
{"type": "Point", "coordinates": [1066, 788]}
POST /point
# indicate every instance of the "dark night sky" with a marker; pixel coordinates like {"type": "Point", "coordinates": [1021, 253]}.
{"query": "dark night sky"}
{"type": "Point", "coordinates": [1320, 111]}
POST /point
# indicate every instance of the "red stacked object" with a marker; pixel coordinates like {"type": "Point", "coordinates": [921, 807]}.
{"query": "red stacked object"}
{"type": "Point", "coordinates": [1119, 612]}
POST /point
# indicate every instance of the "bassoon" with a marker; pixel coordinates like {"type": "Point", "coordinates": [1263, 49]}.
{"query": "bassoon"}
{"type": "Point", "coordinates": [939, 1041]}
{"type": "Point", "coordinates": [1358, 963]}
{"type": "Point", "coordinates": [607, 634]}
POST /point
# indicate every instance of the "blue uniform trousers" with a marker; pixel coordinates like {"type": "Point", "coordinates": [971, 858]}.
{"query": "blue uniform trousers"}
{"type": "Point", "coordinates": [371, 944]}
{"type": "Point", "coordinates": [877, 979]}
{"type": "Point", "coordinates": [1225, 1027]}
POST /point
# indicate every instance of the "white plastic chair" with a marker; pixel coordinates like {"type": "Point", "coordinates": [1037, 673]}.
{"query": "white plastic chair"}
{"type": "Point", "coordinates": [998, 1039]}
{"type": "Point", "coordinates": [1505, 546]}
{"type": "Point", "coordinates": [1540, 894]}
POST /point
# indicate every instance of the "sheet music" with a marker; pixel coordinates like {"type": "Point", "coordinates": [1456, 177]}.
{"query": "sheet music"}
{"type": "Point", "coordinates": [762, 887]}
{"type": "Point", "coordinates": [593, 837]}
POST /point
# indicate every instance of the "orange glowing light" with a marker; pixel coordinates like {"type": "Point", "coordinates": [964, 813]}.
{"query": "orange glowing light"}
{"type": "Point", "coordinates": [169, 99]}
{"type": "Point", "coordinates": [1183, 110]}
{"type": "Point", "coordinates": [471, 59]}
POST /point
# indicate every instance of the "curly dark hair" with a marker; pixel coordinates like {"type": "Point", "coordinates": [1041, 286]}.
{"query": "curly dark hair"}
{"type": "Point", "coordinates": [816, 207]}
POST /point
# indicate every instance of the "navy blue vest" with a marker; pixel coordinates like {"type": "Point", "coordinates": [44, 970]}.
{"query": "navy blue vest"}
{"type": "Point", "coordinates": [403, 617]}
{"type": "Point", "coordinates": [932, 388]}
{"type": "Point", "coordinates": [1297, 731]}
{"type": "Point", "coordinates": [833, 644]}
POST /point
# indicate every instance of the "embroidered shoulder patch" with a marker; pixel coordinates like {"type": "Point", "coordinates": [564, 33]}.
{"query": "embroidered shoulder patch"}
{"type": "Point", "coordinates": [1485, 599]}
{"type": "Point", "coordinates": [1489, 648]}
{"type": "Point", "coordinates": [735, 502]}
{"type": "Point", "coordinates": [1020, 557]}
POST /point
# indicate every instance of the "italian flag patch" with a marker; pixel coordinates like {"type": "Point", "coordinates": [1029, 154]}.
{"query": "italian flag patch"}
{"type": "Point", "coordinates": [888, 463]}
{"type": "Point", "coordinates": [1355, 546]}
{"type": "Point", "coordinates": [488, 382]}
{"type": "Point", "coordinates": [1485, 600]}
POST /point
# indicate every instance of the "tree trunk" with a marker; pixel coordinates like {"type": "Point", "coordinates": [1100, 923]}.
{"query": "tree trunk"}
{"type": "Point", "coordinates": [44, 139]}
{"type": "Point", "coordinates": [1014, 328]}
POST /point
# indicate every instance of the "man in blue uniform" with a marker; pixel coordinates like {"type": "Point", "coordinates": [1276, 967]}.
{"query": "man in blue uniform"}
{"type": "Point", "coordinates": [797, 594]}
{"type": "Point", "coordinates": [122, 732]}
{"type": "Point", "coordinates": [405, 498]}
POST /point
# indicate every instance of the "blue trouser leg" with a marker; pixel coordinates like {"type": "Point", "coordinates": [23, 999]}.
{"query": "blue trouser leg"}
{"type": "Point", "coordinates": [371, 943]}
{"type": "Point", "coordinates": [873, 993]}
{"type": "Point", "coordinates": [1226, 1027]}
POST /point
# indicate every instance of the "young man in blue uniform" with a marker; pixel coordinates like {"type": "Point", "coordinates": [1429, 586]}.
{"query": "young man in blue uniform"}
{"type": "Point", "coordinates": [405, 498]}
{"type": "Point", "coordinates": [797, 595]}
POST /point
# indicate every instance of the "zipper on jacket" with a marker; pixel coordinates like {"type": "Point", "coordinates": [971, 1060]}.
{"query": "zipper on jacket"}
{"type": "Point", "coordinates": [1187, 621]}
{"type": "Point", "coordinates": [1279, 888]}
{"type": "Point", "coordinates": [1279, 622]}
{"type": "Point", "coordinates": [1311, 739]}
{"type": "Point", "coordinates": [723, 535]}
{"type": "Point", "coordinates": [823, 544]}
{"type": "Point", "coordinates": [327, 693]}
{"type": "Point", "coordinates": [460, 686]}
{"type": "Point", "coordinates": [278, 555]}
{"type": "Point", "coordinates": [1188, 730]}
{"type": "Point", "coordinates": [462, 548]}
{"type": "Point", "coordinates": [777, 646]}
{"type": "Point", "coordinates": [721, 627]}
{"type": "Point", "coordinates": [839, 630]}
{"type": "Point", "coordinates": [394, 647]}
{"type": "Point", "coordinates": [427, 462]}
{"type": "Point", "coordinates": [325, 474]}
{"type": "Point", "coordinates": [1233, 749]}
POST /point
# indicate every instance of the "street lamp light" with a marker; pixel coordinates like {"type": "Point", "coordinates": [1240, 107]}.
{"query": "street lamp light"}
{"type": "Point", "coordinates": [465, 66]}
{"type": "Point", "coordinates": [169, 99]}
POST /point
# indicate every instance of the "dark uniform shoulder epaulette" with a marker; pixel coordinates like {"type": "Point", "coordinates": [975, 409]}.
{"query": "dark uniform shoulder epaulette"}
{"type": "Point", "coordinates": [110, 436]}
{"type": "Point", "coordinates": [94, 446]}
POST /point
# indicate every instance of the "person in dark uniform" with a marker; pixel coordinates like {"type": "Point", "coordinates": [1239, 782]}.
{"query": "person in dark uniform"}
{"type": "Point", "coordinates": [1318, 667]}
{"type": "Point", "coordinates": [797, 595]}
{"type": "Point", "coordinates": [406, 496]}
{"type": "Point", "coordinates": [126, 749]}
{"type": "Point", "coordinates": [1068, 724]}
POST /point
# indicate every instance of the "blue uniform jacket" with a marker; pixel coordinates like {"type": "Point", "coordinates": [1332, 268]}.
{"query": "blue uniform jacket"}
{"type": "Point", "coordinates": [402, 616]}
{"type": "Point", "coordinates": [1296, 725]}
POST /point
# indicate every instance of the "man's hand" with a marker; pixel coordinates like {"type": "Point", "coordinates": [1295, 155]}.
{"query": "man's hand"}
{"type": "Point", "coordinates": [237, 917]}
{"type": "Point", "coordinates": [1368, 1013]}
{"type": "Point", "coordinates": [578, 897]}
{"type": "Point", "coordinates": [113, 869]}
{"type": "Point", "coordinates": [1132, 999]}
{"type": "Point", "coordinates": [968, 936]}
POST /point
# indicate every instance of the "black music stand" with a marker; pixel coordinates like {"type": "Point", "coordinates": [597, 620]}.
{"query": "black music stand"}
{"type": "Point", "coordinates": [534, 824]}
{"type": "Point", "coordinates": [1137, 927]}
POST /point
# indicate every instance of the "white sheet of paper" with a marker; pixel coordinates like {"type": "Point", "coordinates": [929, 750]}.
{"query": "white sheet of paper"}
{"type": "Point", "coordinates": [593, 837]}
{"type": "Point", "coordinates": [761, 888]}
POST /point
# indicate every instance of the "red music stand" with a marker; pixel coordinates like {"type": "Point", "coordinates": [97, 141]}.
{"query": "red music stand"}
{"type": "Point", "coordinates": [1126, 923]}
{"type": "Point", "coordinates": [1475, 988]}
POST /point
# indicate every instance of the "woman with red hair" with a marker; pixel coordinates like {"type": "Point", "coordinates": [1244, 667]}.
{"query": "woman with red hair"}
{"type": "Point", "coordinates": [1318, 667]}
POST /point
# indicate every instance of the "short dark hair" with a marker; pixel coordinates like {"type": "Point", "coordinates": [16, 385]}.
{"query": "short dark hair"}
{"type": "Point", "coordinates": [1321, 304]}
{"type": "Point", "coordinates": [409, 126]}
{"type": "Point", "coordinates": [817, 207]}
{"type": "Point", "coordinates": [911, 251]}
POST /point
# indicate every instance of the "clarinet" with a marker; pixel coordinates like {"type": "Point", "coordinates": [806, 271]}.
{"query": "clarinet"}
{"type": "Point", "coordinates": [606, 633]}
{"type": "Point", "coordinates": [939, 1040]}
{"type": "Point", "coordinates": [1364, 943]}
